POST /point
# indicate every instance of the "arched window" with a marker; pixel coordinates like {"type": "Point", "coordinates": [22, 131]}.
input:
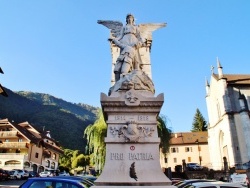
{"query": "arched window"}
{"type": "Point", "coordinates": [26, 164]}
{"type": "Point", "coordinates": [48, 163]}
{"type": "Point", "coordinates": [53, 165]}
{"type": "Point", "coordinates": [34, 167]}
{"type": "Point", "coordinates": [41, 169]}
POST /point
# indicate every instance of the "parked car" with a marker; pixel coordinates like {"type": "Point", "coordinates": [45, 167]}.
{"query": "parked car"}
{"type": "Point", "coordinates": [193, 166]}
{"type": "Point", "coordinates": [176, 180]}
{"type": "Point", "coordinates": [33, 174]}
{"type": "Point", "coordinates": [177, 183]}
{"type": "Point", "coordinates": [217, 184]}
{"type": "Point", "coordinates": [46, 174]}
{"type": "Point", "coordinates": [18, 174]}
{"type": "Point", "coordinates": [7, 174]}
{"type": "Point", "coordinates": [64, 173]}
{"type": "Point", "coordinates": [26, 174]}
{"type": "Point", "coordinates": [239, 178]}
{"type": "Point", "coordinates": [51, 182]}
{"type": "Point", "coordinates": [88, 181]}
{"type": "Point", "coordinates": [187, 183]}
{"type": "Point", "coordinates": [4, 175]}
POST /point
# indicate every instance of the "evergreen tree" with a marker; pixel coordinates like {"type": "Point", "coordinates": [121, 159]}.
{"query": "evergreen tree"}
{"type": "Point", "coordinates": [199, 123]}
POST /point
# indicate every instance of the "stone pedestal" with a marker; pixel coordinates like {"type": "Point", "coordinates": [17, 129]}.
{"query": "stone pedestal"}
{"type": "Point", "coordinates": [132, 142]}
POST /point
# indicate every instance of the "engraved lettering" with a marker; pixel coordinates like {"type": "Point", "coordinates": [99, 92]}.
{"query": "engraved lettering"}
{"type": "Point", "coordinates": [136, 156]}
{"type": "Point", "coordinates": [143, 156]}
{"type": "Point", "coordinates": [143, 118]}
{"type": "Point", "coordinates": [140, 156]}
{"type": "Point", "coordinates": [116, 156]}
{"type": "Point", "coordinates": [151, 156]}
{"type": "Point", "coordinates": [112, 156]}
{"type": "Point", "coordinates": [120, 117]}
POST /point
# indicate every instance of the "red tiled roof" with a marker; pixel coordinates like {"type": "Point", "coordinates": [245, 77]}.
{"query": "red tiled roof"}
{"type": "Point", "coordinates": [32, 134]}
{"type": "Point", "coordinates": [188, 138]}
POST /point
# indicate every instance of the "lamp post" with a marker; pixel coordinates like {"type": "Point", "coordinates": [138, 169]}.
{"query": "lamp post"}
{"type": "Point", "coordinates": [197, 142]}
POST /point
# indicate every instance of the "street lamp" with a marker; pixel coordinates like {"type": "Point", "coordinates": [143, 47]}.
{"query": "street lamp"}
{"type": "Point", "coordinates": [197, 142]}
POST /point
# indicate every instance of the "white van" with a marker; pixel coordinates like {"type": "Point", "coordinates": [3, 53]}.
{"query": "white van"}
{"type": "Point", "coordinates": [216, 184]}
{"type": "Point", "coordinates": [239, 178]}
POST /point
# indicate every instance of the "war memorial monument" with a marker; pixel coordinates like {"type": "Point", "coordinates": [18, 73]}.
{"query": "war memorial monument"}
{"type": "Point", "coordinates": [131, 109]}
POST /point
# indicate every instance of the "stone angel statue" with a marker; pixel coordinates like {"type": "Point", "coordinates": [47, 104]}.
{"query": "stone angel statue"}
{"type": "Point", "coordinates": [130, 38]}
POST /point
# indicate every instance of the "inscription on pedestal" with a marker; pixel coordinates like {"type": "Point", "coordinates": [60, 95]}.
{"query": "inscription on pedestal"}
{"type": "Point", "coordinates": [143, 118]}
{"type": "Point", "coordinates": [131, 156]}
{"type": "Point", "coordinates": [136, 118]}
{"type": "Point", "coordinates": [116, 156]}
{"type": "Point", "coordinates": [140, 156]}
{"type": "Point", "coordinates": [120, 117]}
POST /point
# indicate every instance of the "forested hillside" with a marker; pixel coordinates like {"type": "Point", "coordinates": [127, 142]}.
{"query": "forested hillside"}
{"type": "Point", "coordinates": [65, 121]}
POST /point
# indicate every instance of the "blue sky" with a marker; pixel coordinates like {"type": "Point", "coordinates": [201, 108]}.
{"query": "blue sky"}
{"type": "Point", "coordinates": [57, 47]}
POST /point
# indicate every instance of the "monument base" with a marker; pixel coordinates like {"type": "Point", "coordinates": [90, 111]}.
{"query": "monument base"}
{"type": "Point", "coordinates": [132, 164]}
{"type": "Point", "coordinates": [132, 142]}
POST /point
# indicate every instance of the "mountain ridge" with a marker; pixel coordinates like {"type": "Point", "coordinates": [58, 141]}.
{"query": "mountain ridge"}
{"type": "Point", "coordinates": [66, 121]}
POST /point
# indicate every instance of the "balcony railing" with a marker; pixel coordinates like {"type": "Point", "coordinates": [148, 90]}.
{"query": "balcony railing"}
{"type": "Point", "coordinates": [14, 156]}
{"type": "Point", "coordinates": [8, 134]}
{"type": "Point", "coordinates": [14, 145]}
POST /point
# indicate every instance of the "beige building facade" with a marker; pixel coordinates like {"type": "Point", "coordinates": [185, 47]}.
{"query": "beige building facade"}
{"type": "Point", "coordinates": [228, 100]}
{"type": "Point", "coordinates": [189, 146]}
{"type": "Point", "coordinates": [23, 147]}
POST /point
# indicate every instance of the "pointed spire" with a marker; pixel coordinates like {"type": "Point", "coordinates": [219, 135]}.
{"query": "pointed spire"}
{"type": "Point", "coordinates": [212, 69]}
{"type": "Point", "coordinates": [220, 73]}
{"type": "Point", "coordinates": [206, 82]}
{"type": "Point", "coordinates": [218, 63]}
{"type": "Point", "coordinates": [207, 86]}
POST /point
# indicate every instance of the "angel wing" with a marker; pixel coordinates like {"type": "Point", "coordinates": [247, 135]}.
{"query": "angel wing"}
{"type": "Point", "coordinates": [114, 26]}
{"type": "Point", "coordinates": [147, 29]}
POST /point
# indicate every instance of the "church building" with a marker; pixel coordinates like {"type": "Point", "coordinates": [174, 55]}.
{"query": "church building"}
{"type": "Point", "coordinates": [228, 102]}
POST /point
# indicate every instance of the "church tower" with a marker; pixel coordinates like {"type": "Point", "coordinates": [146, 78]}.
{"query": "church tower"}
{"type": "Point", "coordinates": [227, 98]}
